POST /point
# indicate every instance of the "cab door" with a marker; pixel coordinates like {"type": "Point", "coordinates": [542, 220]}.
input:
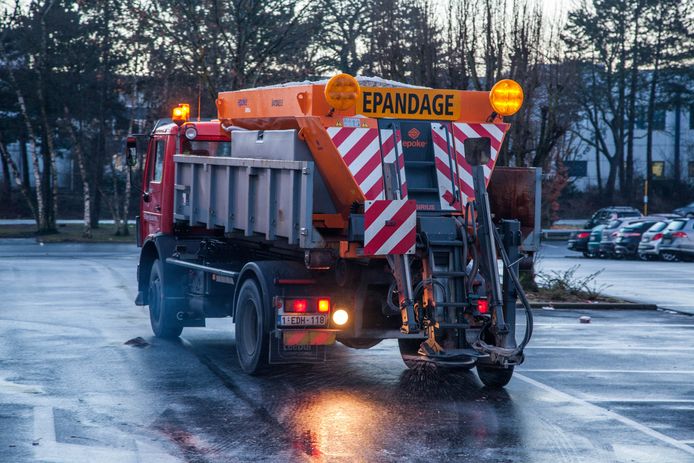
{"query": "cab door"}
{"type": "Point", "coordinates": [152, 198]}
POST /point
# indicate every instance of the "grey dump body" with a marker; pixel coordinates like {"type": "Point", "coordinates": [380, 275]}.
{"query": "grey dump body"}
{"type": "Point", "coordinates": [269, 187]}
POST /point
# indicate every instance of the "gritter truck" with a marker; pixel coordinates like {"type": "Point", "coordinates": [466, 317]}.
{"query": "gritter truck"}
{"type": "Point", "coordinates": [351, 210]}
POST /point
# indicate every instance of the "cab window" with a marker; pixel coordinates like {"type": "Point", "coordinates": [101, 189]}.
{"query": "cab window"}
{"type": "Point", "coordinates": [157, 169]}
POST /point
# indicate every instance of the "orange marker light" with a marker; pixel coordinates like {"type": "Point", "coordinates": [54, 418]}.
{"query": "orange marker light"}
{"type": "Point", "coordinates": [324, 305]}
{"type": "Point", "coordinates": [180, 113]}
{"type": "Point", "coordinates": [506, 97]}
{"type": "Point", "coordinates": [342, 91]}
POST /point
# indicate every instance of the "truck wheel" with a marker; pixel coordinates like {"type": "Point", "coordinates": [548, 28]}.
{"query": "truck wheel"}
{"type": "Point", "coordinates": [494, 377]}
{"type": "Point", "coordinates": [360, 343]}
{"type": "Point", "coordinates": [162, 316]}
{"type": "Point", "coordinates": [251, 332]}
{"type": "Point", "coordinates": [409, 352]}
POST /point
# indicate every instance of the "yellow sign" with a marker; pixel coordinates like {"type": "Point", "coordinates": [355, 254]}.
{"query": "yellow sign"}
{"type": "Point", "coordinates": [409, 103]}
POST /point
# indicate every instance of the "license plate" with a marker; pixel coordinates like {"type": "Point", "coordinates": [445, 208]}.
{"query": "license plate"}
{"type": "Point", "coordinates": [666, 240]}
{"type": "Point", "coordinates": [301, 320]}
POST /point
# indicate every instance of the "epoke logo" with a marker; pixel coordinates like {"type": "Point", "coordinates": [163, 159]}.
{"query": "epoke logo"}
{"type": "Point", "coordinates": [414, 133]}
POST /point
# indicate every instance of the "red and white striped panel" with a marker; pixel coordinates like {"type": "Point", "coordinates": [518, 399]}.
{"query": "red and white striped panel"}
{"type": "Point", "coordinates": [388, 149]}
{"type": "Point", "coordinates": [361, 151]}
{"type": "Point", "coordinates": [390, 227]}
{"type": "Point", "coordinates": [443, 150]}
{"type": "Point", "coordinates": [463, 131]}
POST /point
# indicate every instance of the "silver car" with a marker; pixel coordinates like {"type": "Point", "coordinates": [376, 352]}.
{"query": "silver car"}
{"type": "Point", "coordinates": [649, 247]}
{"type": "Point", "coordinates": [678, 240]}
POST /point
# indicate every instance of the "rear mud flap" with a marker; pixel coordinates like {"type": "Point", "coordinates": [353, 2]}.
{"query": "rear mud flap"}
{"type": "Point", "coordinates": [281, 354]}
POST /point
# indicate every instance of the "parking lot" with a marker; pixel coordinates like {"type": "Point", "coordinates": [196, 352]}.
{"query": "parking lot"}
{"type": "Point", "coordinates": [619, 389]}
{"type": "Point", "coordinates": [666, 284]}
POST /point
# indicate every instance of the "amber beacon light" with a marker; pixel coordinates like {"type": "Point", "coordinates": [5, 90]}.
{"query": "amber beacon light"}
{"type": "Point", "coordinates": [180, 113]}
{"type": "Point", "coordinates": [506, 97]}
{"type": "Point", "coordinates": [342, 91]}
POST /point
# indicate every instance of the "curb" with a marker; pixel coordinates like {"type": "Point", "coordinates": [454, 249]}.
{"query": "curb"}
{"type": "Point", "coordinates": [593, 306]}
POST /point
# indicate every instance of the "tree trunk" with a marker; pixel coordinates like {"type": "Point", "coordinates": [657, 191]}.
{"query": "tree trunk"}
{"type": "Point", "coordinates": [678, 131]}
{"type": "Point", "coordinates": [651, 112]}
{"type": "Point", "coordinates": [77, 149]}
{"type": "Point", "coordinates": [49, 164]}
{"type": "Point", "coordinates": [24, 159]}
{"type": "Point", "coordinates": [23, 188]}
{"type": "Point", "coordinates": [6, 180]}
{"type": "Point", "coordinates": [40, 212]}
{"type": "Point", "coordinates": [633, 88]}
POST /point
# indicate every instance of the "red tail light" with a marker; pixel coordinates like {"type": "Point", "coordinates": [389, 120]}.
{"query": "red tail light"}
{"type": "Point", "coordinates": [679, 234]}
{"type": "Point", "coordinates": [483, 306]}
{"type": "Point", "coordinates": [324, 305]}
{"type": "Point", "coordinates": [299, 305]}
{"type": "Point", "coordinates": [583, 235]}
{"type": "Point", "coordinates": [614, 234]}
{"type": "Point", "coordinates": [657, 236]}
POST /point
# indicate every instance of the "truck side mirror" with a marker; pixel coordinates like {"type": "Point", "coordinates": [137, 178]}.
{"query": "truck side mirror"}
{"type": "Point", "coordinates": [131, 151]}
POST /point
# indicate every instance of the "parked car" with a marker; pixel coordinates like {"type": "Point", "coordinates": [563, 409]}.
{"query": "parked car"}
{"type": "Point", "coordinates": [685, 211]}
{"type": "Point", "coordinates": [578, 241]}
{"type": "Point", "coordinates": [594, 241]}
{"type": "Point", "coordinates": [649, 247]}
{"type": "Point", "coordinates": [628, 238]}
{"type": "Point", "coordinates": [609, 235]}
{"type": "Point", "coordinates": [678, 240]}
{"type": "Point", "coordinates": [606, 214]}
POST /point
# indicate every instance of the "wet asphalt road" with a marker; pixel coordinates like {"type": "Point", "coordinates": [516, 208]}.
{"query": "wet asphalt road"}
{"type": "Point", "coordinates": [617, 390]}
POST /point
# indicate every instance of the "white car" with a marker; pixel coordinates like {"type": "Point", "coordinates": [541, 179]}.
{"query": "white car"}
{"type": "Point", "coordinates": [649, 247]}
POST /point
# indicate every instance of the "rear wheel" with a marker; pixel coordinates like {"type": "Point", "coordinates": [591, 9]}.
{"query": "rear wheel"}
{"type": "Point", "coordinates": [588, 255]}
{"type": "Point", "coordinates": [494, 376]}
{"type": "Point", "coordinates": [645, 257]}
{"type": "Point", "coordinates": [360, 343]}
{"type": "Point", "coordinates": [162, 315]}
{"type": "Point", "coordinates": [251, 330]}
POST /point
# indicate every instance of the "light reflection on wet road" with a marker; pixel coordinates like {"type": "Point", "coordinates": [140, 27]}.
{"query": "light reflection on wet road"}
{"type": "Point", "coordinates": [71, 391]}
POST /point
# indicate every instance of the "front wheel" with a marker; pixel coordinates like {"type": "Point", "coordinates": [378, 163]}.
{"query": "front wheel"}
{"type": "Point", "coordinates": [493, 376]}
{"type": "Point", "coordinates": [162, 316]}
{"type": "Point", "coordinates": [252, 334]}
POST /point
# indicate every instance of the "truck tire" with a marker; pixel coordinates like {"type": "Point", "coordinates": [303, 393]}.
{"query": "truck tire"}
{"type": "Point", "coordinates": [162, 316]}
{"type": "Point", "coordinates": [493, 376]}
{"type": "Point", "coordinates": [251, 330]}
{"type": "Point", "coordinates": [360, 343]}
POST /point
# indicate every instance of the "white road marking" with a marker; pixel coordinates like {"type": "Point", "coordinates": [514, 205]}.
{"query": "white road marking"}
{"type": "Point", "coordinates": [612, 348]}
{"type": "Point", "coordinates": [631, 325]}
{"type": "Point", "coordinates": [609, 414]}
{"type": "Point", "coordinates": [48, 449]}
{"type": "Point", "coordinates": [588, 370]}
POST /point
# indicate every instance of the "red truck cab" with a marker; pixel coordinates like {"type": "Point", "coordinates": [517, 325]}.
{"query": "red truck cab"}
{"type": "Point", "coordinates": [202, 138]}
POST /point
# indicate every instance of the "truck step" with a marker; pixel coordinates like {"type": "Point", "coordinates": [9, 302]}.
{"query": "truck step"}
{"type": "Point", "coordinates": [446, 243]}
{"type": "Point", "coordinates": [451, 304]}
{"type": "Point", "coordinates": [448, 274]}
{"type": "Point", "coordinates": [459, 326]}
